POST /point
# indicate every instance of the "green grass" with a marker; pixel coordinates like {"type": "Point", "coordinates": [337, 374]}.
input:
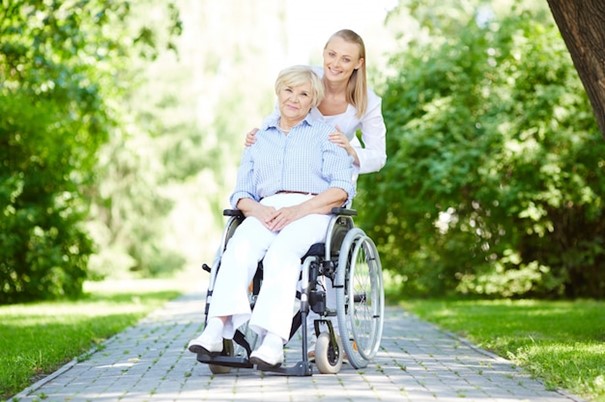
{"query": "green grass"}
{"type": "Point", "coordinates": [560, 342]}
{"type": "Point", "coordinates": [38, 338]}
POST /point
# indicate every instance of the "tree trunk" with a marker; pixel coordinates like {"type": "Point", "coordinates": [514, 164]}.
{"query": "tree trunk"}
{"type": "Point", "coordinates": [582, 25]}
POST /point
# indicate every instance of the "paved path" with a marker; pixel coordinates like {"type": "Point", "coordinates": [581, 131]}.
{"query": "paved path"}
{"type": "Point", "coordinates": [417, 363]}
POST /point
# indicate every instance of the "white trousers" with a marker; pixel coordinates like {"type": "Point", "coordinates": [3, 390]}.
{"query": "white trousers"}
{"type": "Point", "coordinates": [281, 253]}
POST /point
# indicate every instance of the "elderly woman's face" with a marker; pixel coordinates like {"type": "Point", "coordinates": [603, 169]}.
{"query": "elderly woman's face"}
{"type": "Point", "coordinates": [295, 101]}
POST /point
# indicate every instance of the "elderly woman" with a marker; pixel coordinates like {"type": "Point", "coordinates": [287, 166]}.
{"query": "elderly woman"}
{"type": "Point", "coordinates": [287, 184]}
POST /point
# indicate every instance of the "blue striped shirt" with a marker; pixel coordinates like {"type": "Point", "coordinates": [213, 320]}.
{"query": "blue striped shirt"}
{"type": "Point", "coordinates": [304, 160]}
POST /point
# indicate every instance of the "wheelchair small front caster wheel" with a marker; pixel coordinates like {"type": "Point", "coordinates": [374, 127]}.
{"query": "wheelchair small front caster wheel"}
{"type": "Point", "coordinates": [228, 350]}
{"type": "Point", "coordinates": [328, 357]}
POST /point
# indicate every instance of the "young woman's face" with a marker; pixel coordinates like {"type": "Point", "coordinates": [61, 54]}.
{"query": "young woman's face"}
{"type": "Point", "coordinates": [295, 101]}
{"type": "Point", "coordinates": [341, 58]}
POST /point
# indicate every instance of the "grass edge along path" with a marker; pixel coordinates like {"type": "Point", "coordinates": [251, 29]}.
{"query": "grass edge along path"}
{"type": "Point", "coordinates": [38, 338]}
{"type": "Point", "coordinates": [560, 342]}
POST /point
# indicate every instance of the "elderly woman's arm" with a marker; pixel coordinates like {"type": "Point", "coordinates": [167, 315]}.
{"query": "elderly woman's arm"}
{"type": "Point", "coordinates": [278, 219]}
{"type": "Point", "coordinates": [320, 204]}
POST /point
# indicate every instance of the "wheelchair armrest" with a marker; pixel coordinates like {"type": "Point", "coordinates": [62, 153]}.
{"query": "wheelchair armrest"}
{"type": "Point", "coordinates": [344, 211]}
{"type": "Point", "coordinates": [232, 212]}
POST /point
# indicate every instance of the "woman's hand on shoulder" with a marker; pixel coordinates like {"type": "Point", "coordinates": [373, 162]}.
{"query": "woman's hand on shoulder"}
{"type": "Point", "coordinates": [251, 137]}
{"type": "Point", "coordinates": [337, 137]}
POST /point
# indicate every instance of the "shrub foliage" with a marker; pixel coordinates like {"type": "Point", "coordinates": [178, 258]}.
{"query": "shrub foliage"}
{"type": "Point", "coordinates": [60, 65]}
{"type": "Point", "coordinates": [495, 181]}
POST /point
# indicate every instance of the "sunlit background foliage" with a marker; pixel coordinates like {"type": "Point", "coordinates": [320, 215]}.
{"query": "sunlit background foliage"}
{"type": "Point", "coordinates": [495, 177]}
{"type": "Point", "coordinates": [122, 124]}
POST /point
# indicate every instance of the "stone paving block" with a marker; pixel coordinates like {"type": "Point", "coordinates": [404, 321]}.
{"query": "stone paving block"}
{"type": "Point", "coordinates": [416, 362]}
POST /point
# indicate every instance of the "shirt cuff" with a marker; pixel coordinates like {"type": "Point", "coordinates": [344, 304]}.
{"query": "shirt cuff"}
{"type": "Point", "coordinates": [346, 186]}
{"type": "Point", "coordinates": [235, 197]}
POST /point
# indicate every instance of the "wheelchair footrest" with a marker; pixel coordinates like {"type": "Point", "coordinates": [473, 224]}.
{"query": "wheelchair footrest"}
{"type": "Point", "coordinates": [300, 369]}
{"type": "Point", "coordinates": [229, 361]}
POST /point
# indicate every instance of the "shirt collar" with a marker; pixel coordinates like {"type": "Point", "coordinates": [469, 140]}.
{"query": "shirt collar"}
{"type": "Point", "coordinates": [273, 121]}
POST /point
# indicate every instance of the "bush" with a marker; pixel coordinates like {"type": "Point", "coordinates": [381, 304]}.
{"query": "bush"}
{"type": "Point", "coordinates": [60, 81]}
{"type": "Point", "coordinates": [43, 249]}
{"type": "Point", "coordinates": [494, 183]}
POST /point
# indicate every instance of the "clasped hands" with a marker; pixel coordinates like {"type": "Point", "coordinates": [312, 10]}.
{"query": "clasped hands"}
{"type": "Point", "coordinates": [276, 219]}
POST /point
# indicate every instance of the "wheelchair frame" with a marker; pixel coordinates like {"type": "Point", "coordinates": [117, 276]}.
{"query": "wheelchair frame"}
{"type": "Point", "coordinates": [350, 260]}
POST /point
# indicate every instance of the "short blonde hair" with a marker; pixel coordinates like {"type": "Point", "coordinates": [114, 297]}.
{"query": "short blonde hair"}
{"type": "Point", "coordinates": [300, 75]}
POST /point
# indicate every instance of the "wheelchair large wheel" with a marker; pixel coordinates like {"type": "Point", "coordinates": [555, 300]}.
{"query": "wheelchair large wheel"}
{"type": "Point", "coordinates": [359, 298]}
{"type": "Point", "coordinates": [230, 348]}
{"type": "Point", "coordinates": [232, 224]}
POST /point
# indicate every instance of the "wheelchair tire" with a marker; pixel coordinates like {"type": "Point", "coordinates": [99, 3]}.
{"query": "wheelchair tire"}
{"type": "Point", "coordinates": [359, 298]}
{"type": "Point", "coordinates": [328, 358]}
{"type": "Point", "coordinates": [228, 350]}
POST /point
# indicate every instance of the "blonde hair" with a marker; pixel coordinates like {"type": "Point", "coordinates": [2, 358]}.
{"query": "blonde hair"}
{"type": "Point", "coordinates": [357, 87]}
{"type": "Point", "coordinates": [300, 75]}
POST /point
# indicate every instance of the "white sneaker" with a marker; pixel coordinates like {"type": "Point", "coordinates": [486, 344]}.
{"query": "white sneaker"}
{"type": "Point", "coordinates": [205, 344]}
{"type": "Point", "coordinates": [269, 355]}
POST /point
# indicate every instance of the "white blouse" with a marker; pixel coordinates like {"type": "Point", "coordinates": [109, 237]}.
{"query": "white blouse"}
{"type": "Point", "coordinates": [373, 156]}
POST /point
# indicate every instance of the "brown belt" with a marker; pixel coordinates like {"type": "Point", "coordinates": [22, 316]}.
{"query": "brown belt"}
{"type": "Point", "coordinates": [295, 192]}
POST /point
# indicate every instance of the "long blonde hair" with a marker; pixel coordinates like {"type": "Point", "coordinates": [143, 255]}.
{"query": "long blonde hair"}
{"type": "Point", "coordinates": [357, 87]}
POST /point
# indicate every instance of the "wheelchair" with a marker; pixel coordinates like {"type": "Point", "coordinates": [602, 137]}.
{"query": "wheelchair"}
{"type": "Point", "coordinates": [349, 259]}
